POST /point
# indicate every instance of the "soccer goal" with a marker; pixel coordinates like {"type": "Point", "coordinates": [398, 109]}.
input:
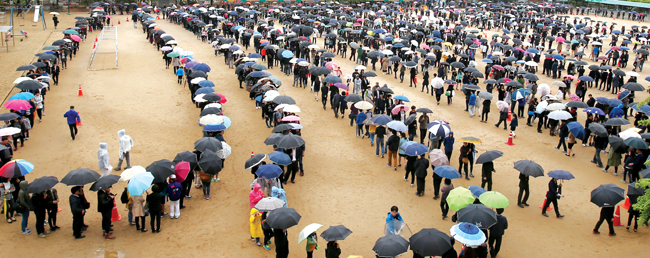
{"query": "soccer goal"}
{"type": "Point", "coordinates": [105, 51]}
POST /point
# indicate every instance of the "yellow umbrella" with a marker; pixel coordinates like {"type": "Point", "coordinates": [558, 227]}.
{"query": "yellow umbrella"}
{"type": "Point", "coordinates": [470, 139]}
{"type": "Point", "coordinates": [448, 44]}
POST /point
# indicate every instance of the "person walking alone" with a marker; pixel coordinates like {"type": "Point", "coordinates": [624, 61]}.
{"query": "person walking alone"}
{"type": "Point", "coordinates": [102, 157]}
{"type": "Point", "coordinates": [73, 117]}
{"type": "Point", "coordinates": [554, 192]}
{"type": "Point", "coordinates": [126, 143]}
{"type": "Point", "coordinates": [523, 190]}
{"type": "Point", "coordinates": [606, 214]}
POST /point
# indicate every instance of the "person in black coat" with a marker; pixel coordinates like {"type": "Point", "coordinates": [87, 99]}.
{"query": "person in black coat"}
{"type": "Point", "coordinates": [39, 201]}
{"type": "Point", "coordinates": [155, 201]}
{"type": "Point", "coordinates": [496, 233]}
{"type": "Point", "coordinates": [523, 188]}
{"type": "Point", "coordinates": [486, 175]}
{"type": "Point", "coordinates": [606, 213]}
{"type": "Point", "coordinates": [78, 211]}
{"type": "Point", "coordinates": [332, 250]}
{"type": "Point", "coordinates": [421, 166]}
{"type": "Point", "coordinates": [281, 243]}
{"type": "Point", "coordinates": [105, 207]}
{"type": "Point", "coordinates": [410, 168]}
{"type": "Point", "coordinates": [554, 192]}
{"type": "Point", "coordinates": [564, 132]}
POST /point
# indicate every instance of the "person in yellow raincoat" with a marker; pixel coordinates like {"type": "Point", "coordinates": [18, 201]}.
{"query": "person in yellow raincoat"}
{"type": "Point", "coordinates": [256, 226]}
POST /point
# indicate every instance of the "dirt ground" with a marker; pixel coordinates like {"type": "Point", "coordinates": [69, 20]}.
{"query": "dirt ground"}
{"type": "Point", "coordinates": [343, 183]}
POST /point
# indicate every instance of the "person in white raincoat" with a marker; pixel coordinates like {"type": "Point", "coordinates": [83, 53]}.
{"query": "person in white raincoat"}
{"type": "Point", "coordinates": [126, 143]}
{"type": "Point", "coordinates": [102, 156]}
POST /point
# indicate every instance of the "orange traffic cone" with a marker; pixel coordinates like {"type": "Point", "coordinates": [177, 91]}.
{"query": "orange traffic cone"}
{"type": "Point", "coordinates": [81, 93]}
{"type": "Point", "coordinates": [617, 217]}
{"type": "Point", "coordinates": [158, 17]}
{"type": "Point", "coordinates": [94, 45]}
{"type": "Point", "coordinates": [127, 19]}
{"type": "Point", "coordinates": [509, 116]}
{"type": "Point", "coordinates": [252, 154]}
{"type": "Point", "coordinates": [118, 22]}
{"type": "Point", "coordinates": [510, 139]}
{"type": "Point", "coordinates": [95, 38]}
{"type": "Point", "coordinates": [627, 203]}
{"type": "Point", "coordinates": [115, 215]}
{"type": "Point", "coordinates": [542, 207]}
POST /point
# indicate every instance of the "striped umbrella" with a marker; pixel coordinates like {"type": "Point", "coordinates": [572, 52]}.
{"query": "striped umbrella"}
{"type": "Point", "coordinates": [16, 168]}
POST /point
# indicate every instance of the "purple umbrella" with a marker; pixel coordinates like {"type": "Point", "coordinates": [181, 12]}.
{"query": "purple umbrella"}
{"type": "Point", "coordinates": [341, 86]}
{"type": "Point", "coordinates": [191, 64]}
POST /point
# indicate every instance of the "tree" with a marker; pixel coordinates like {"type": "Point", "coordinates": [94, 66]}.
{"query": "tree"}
{"type": "Point", "coordinates": [643, 202]}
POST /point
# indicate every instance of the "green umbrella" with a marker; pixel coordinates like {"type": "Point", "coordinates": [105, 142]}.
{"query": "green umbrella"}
{"type": "Point", "coordinates": [459, 197]}
{"type": "Point", "coordinates": [51, 48]}
{"type": "Point", "coordinates": [172, 54]}
{"type": "Point", "coordinates": [494, 200]}
{"type": "Point", "coordinates": [74, 32]}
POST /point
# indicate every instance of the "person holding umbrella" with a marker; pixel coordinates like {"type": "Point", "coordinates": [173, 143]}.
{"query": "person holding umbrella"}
{"type": "Point", "coordinates": [281, 243]}
{"type": "Point", "coordinates": [137, 209]}
{"type": "Point", "coordinates": [78, 211]}
{"type": "Point", "coordinates": [25, 201]}
{"type": "Point", "coordinates": [421, 166]}
{"type": "Point", "coordinates": [39, 202]}
{"type": "Point", "coordinates": [487, 170]}
{"type": "Point", "coordinates": [444, 207]}
{"type": "Point", "coordinates": [105, 207]}
{"type": "Point", "coordinates": [52, 207]}
{"type": "Point", "coordinates": [554, 190]}
{"type": "Point", "coordinates": [606, 214]}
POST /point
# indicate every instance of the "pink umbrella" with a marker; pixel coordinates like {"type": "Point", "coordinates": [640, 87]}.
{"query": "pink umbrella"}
{"type": "Point", "coordinates": [506, 80]}
{"type": "Point", "coordinates": [520, 49]}
{"type": "Point", "coordinates": [331, 65]}
{"type": "Point", "coordinates": [108, 16]}
{"type": "Point", "coordinates": [75, 38]}
{"type": "Point", "coordinates": [502, 105]}
{"type": "Point", "coordinates": [399, 108]}
{"type": "Point", "coordinates": [290, 118]}
{"type": "Point", "coordinates": [223, 98]}
{"type": "Point", "coordinates": [616, 48]}
{"type": "Point", "coordinates": [425, 46]}
{"type": "Point", "coordinates": [341, 86]}
{"type": "Point", "coordinates": [560, 39]}
{"type": "Point", "coordinates": [357, 24]}
{"type": "Point", "coordinates": [360, 20]}
{"type": "Point", "coordinates": [18, 104]}
{"type": "Point", "coordinates": [181, 170]}
{"type": "Point", "coordinates": [574, 97]}
{"type": "Point", "coordinates": [569, 76]}
{"type": "Point", "coordinates": [498, 67]}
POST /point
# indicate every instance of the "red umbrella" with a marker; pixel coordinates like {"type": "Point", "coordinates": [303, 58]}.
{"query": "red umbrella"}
{"type": "Point", "coordinates": [498, 67]}
{"type": "Point", "coordinates": [181, 170]}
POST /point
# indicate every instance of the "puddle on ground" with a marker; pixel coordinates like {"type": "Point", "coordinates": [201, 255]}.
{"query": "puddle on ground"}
{"type": "Point", "coordinates": [108, 254]}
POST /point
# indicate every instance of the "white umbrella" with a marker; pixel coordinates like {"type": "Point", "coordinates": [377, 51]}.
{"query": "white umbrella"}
{"type": "Point", "coordinates": [54, 13]}
{"type": "Point", "coordinates": [177, 49]}
{"type": "Point", "coordinates": [303, 63]}
{"type": "Point", "coordinates": [269, 204]}
{"type": "Point", "coordinates": [630, 133]}
{"type": "Point", "coordinates": [210, 119]}
{"type": "Point", "coordinates": [502, 105]}
{"type": "Point", "coordinates": [311, 228]}
{"type": "Point", "coordinates": [630, 73]}
{"type": "Point", "coordinates": [560, 115]}
{"type": "Point", "coordinates": [225, 151]}
{"type": "Point", "coordinates": [313, 46]}
{"type": "Point", "coordinates": [555, 106]}
{"type": "Point", "coordinates": [130, 172]}
{"type": "Point", "coordinates": [9, 131]}
{"type": "Point", "coordinates": [269, 98]}
{"type": "Point", "coordinates": [291, 109]}
{"type": "Point", "coordinates": [531, 63]}
{"type": "Point", "coordinates": [559, 84]}
{"type": "Point", "coordinates": [543, 89]}
{"type": "Point", "coordinates": [217, 105]}
{"type": "Point", "coordinates": [437, 83]}
{"type": "Point", "coordinates": [279, 107]}
{"type": "Point", "coordinates": [172, 42]}
{"type": "Point", "coordinates": [21, 79]}
{"type": "Point", "coordinates": [197, 80]}
{"type": "Point", "coordinates": [199, 98]}
{"type": "Point", "coordinates": [295, 126]}
{"type": "Point", "coordinates": [363, 105]}
{"type": "Point", "coordinates": [359, 67]}
{"type": "Point", "coordinates": [165, 48]}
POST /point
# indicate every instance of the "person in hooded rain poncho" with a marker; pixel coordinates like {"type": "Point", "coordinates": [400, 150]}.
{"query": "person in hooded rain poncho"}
{"type": "Point", "coordinates": [280, 194]}
{"type": "Point", "coordinates": [126, 143]}
{"type": "Point", "coordinates": [255, 195]}
{"type": "Point", "coordinates": [102, 156]}
{"type": "Point", "coordinates": [256, 225]}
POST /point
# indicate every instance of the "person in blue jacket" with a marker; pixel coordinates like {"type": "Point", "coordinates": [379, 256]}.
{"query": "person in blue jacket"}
{"type": "Point", "coordinates": [471, 103]}
{"type": "Point", "coordinates": [393, 216]}
{"type": "Point", "coordinates": [449, 144]}
{"type": "Point", "coordinates": [360, 118]}
{"type": "Point", "coordinates": [180, 74]}
{"type": "Point", "coordinates": [73, 117]}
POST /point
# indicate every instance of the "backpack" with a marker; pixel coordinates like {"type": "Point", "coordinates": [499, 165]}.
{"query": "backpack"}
{"type": "Point", "coordinates": [124, 198]}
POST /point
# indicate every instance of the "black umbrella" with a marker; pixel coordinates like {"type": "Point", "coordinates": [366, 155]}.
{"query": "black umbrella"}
{"type": "Point", "coordinates": [632, 190]}
{"type": "Point", "coordinates": [290, 141]}
{"type": "Point", "coordinates": [42, 183]}
{"type": "Point", "coordinates": [529, 167]}
{"type": "Point", "coordinates": [210, 163]}
{"type": "Point", "coordinates": [479, 215]}
{"type": "Point", "coordinates": [633, 86]}
{"type": "Point", "coordinates": [385, 89]}
{"type": "Point", "coordinates": [598, 129]}
{"type": "Point", "coordinates": [335, 233]}
{"type": "Point", "coordinates": [430, 242]}
{"type": "Point", "coordinates": [424, 110]}
{"type": "Point", "coordinates": [8, 116]}
{"type": "Point", "coordinates": [29, 85]}
{"type": "Point", "coordinates": [319, 70]}
{"type": "Point", "coordinates": [211, 110]}
{"type": "Point", "coordinates": [208, 143]}
{"type": "Point", "coordinates": [616, 122]}
{"type": "Point", "coordinates": [188, 157]}
{"type": "Point", "coordinates": [197, 74]}
{"type": "Point", "coordinates": [636, 143]}
{"type": "Point", "coordinates": [390, 246]}
{"type": "Point", "coordinates": [328, 55]}
{"type": "Point", "coordinates": [105, 182]}
{"type": "Point", "coordinates": [26, 67]}
{"type": "Point", "coordinates": [489, 156]}
{"type": "Point", "coordinates": [619, 72]}
{"type": "Point", "coordinates": [284, 100]}
{"type": "Point", "coordinates": [161, 170]}
{"type": "Point", "coordinates": [283, 218]}
{"type": "Point", "coordinates": [79, 177]}
{"type": "Point", "coordinates": [617, 144]}
{"type": "Point", "coordinates": [211, 97]}
{"type": "Point", "coordinates": [58, 42]}
{"type": "Point", "coordinates": [369, 74]}
{"type": "Point", "coordinates": [354, 98]}
{"type": "Point", "coordinates": [645, 173]}
{"type": "Point", "coordinates": [254, 161]}
{"type": "Point", "coordinates": [607, 195]}
{"type": "Point", "coordinates": [273, 139]}
{"type": "Point", "coordinates": [410, 119]}
{"type": "Point", "coordinates": [281, 128]}
{"type": "Point", "coordinates": [458, 65]}
{"type": "Point", "coordinates": [577, 104]}
{"type": "Point", "coordinates": [332, 79]}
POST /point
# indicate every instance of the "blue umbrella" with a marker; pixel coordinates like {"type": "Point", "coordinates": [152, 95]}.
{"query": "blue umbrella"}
{"type": "Point", "coordinates": [586, 78]}
{"type": "Point", "coordinates": [446, 171]}
{"type": "Point", "coordinates": [402, 98]}
{"type": "Point", "coordinates": [139, 183]}
{"type": "Point", "coordinates": [645, 109]}
{"type": "Point", "coordinates": [439, 128]}
{"type": "Point", "coordinates": [23, 96]}
{"type": "Point", "coordinates": [576, 129]}
{"type": "Point", "coordinates": [258, 98]}
{"type": "Point", "coordinates": [269, 171]}
{"type": "Point", "coordinates": [381, 119]}
{"type": "Point", "coordinates": [561, 174]}
{"type": "Point", "coordinates": [205, 83]}
{"type": "Point", "coordinates": [489, 61]}
{"type": "Point", "coordinates": [595, 110]}
{"type": "Point", "coordinates": [397, 126]}
{"type": "Point", "coordinates": [280, 158]}
{"type": "Point", "coordinates": [614, 102]}
{"type": "Point", "coordinates": [214, 127]}
{"type": "Point", "coordinates": [204, 91]}
{"type": "Point", "coordinates": [602, 100]}
{"type": "Point", "coordinates": [254, 55]}
{"type": "Point", "coordinates": [398, 45]}
{"type": "Point", "coordinates": [647, 78]}
{"type": "Point", "coordinates": [623, 94]}
{"type": "Point", "coordinates": [467, 233]}
{"type": "Point", "coordinates": [477, 190]}
{"type": "Point", "coordinates": [202, 67]}
{"type": "Point", "coordinates": [234, 48]}
{"type": "Point", "coordinates": [558, 57]}
{"type": "Point", "coordinates": [416, 149]}
{"type": "Point", "coordinates": [257, 74]}
{"type": "Point", "coordinates": [532, 50]}
{"type": "Point", "coordinates": [287, 54]}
